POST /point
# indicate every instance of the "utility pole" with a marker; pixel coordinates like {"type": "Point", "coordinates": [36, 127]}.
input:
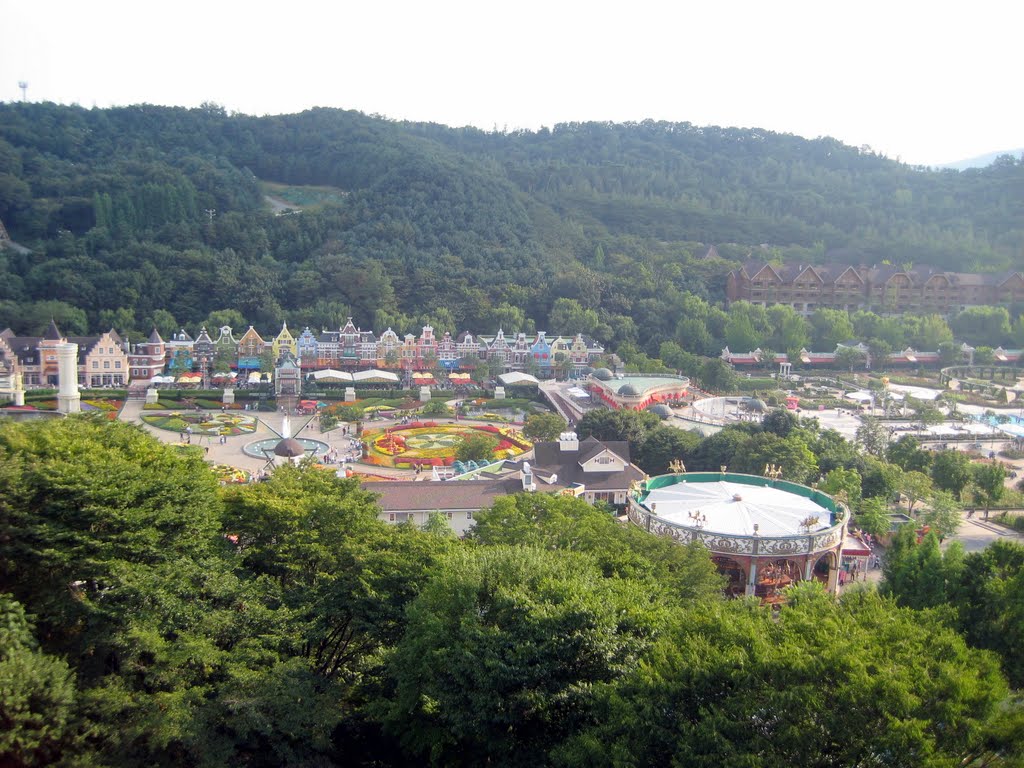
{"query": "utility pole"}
{"type": "Point", "coordinates": [211, 212]}
{"type": "Point", "coordinates": [23, 84]}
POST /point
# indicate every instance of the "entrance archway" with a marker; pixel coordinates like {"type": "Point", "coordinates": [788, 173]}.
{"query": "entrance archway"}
{"type": "Point", "coordinates": [824, 570]}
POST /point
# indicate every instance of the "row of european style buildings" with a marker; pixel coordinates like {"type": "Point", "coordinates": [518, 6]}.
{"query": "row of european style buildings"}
{"type": "Point", "coordinates": [886, 288]}
{"type": "Point", "coordinates": [108, 360]}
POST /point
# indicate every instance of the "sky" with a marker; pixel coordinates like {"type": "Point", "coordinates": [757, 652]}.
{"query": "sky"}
{"type": "Point", "coordinates": [922, 82]}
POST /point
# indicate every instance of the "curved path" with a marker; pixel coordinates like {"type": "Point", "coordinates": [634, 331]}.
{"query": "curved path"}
{"type": "Point", "coordinates": [269, 425]}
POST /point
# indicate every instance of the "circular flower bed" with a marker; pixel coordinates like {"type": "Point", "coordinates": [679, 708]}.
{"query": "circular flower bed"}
{"type": "Point", "coordinates": [229, 424]}
{"type": "Point", "coordinates": [228, 474]}
{"type": "Point", "coordinates": [431, 444]}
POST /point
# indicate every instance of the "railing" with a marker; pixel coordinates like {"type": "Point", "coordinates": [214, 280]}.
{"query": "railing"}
{"type": "Point", "coordinates": [736, 544]}
{"type": "Point", "coordinates": [721, 543]}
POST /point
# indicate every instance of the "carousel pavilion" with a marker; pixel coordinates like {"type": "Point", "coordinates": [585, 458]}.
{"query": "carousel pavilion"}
{"type": "Point", "coordinates": [763, 533]}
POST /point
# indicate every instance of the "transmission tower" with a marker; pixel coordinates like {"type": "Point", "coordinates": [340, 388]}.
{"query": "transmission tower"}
{"type": "Point", "coordinates": [23, 84]}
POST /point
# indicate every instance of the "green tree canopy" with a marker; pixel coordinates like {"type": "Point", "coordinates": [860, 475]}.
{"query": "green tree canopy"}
{"type": "Point", "coordinates": [476, 446]}
{"type": "Point", "coordinates": [502, 651]}
{"type": "Point", "coordinates": [544, 426]}
{"type": "Point", "coordinates": [37, 695]}
{"type": "Point", "coordinates": [713, 689]}
{"type": "Point", "coordinates": [564, 523]}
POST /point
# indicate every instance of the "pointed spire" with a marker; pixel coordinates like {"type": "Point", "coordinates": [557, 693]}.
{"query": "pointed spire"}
{"type": "Point", "coordinates": [155, 338]}
{"type": "Point", "coordinates": [52, 334]}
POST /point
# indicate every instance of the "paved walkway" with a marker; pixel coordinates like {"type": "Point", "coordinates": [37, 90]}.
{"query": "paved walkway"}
{"type": "Point", "coordinates": [976, 533]}
{"type": "Point", "coordinates": [269, 425]}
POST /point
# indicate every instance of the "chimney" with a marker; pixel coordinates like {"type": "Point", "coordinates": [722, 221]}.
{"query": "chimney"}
{"type": "Point", "coordinates": [568, 441]}
{"type": "Point", "coordinates": [528, 484]}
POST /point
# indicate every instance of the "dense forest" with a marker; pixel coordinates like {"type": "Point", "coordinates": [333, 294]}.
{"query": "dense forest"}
{"type": "Point", "coordinates": [149, 617]}
{"type": "Point", "coordinates": [144, 215]}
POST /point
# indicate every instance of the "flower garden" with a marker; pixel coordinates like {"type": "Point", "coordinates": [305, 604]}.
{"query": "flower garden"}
{"type": "Point", "coordinates": [229, 475]}
{"type": "Point", "coordinates": [426, 443]}
{"type": "Point", "coordinates": [108, 406]}
{"type": "Point", "coordinates": [212, 424]}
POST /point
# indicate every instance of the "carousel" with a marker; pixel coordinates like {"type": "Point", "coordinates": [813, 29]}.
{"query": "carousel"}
{"type": "Point", "coordinates": [764, 534]}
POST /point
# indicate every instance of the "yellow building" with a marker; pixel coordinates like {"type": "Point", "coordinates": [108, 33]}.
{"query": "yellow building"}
{"type": "Point", "coordinates": [283, 341]}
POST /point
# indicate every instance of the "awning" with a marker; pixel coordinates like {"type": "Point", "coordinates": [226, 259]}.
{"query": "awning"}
{"type": "Point", "coordinates": [459, 378]}
{"type": "Point", "coordinates": [1001, 358]}
{"type": "Point", "coordinates": [423, 377]}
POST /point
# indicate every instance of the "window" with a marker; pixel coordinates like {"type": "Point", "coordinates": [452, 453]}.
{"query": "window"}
{"type": "Point", "coordinates": [449, 515]}
{"type": "Point", "coordinates": [95, 364]}
{"type": "Point", "coordinates": [469, 515]}
{"type": "Point", "coordinates": [106, 364]}
{"type": "Point", "coordinates": [117, 363]}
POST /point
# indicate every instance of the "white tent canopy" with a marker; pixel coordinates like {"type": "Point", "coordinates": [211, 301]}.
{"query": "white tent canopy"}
{"type": "Point", "coordinates": [860, 396]}
{"type": "Point", "coordinates": [515, 378]}
{"type": "Point", "coordinates": [375, 376]}
{"type": "Point", "coordinates": [330, 375]}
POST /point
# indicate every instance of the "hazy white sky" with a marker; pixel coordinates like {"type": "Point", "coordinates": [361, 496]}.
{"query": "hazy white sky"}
{"type": "Point", "coordinates": [926, 82]}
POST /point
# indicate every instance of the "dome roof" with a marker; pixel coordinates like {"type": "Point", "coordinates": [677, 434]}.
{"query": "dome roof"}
{"type": "Point", "coordinates": [629, 390]}
{"type": "Point", "coordinates": [738, 509]}
{"type": "Point", "coordinates": [661, 410]}
{"type": "Point", "coordinates": [289, 448]}
{"type": "Point", "coordinates": [602, 374]}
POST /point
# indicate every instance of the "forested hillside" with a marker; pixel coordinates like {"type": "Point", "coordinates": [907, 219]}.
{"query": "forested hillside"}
{"type": "Point", "coordinates": [151, 215]}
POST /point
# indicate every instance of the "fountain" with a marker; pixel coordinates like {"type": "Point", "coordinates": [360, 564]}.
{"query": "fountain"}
{"type": "Point", "coordinates": [291, 449]}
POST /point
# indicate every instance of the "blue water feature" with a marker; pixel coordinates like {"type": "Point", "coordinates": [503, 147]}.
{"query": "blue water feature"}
{"type": "Point", "coordinates": [262, 449]}
{"type": "Point", "coordinates": [1015, 425]}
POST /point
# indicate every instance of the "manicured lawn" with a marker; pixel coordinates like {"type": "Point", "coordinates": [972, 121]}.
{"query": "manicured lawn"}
{"type": "Point", "coordinates": [212, 424]}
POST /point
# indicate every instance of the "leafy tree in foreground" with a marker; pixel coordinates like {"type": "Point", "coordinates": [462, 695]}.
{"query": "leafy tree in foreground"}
{"type": "Point", "coordinates": [919, 575]}
{"type": "Point", "coordinates": [85, 504]}
{"type": "Point", "coordinates": [37, 694]}
{"type": "Point", "coordinates": [568, 524]}
{"type": "Point", "coordinates": [502, 650]}
{"type": "Point", "coordinates": [732, 685]}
